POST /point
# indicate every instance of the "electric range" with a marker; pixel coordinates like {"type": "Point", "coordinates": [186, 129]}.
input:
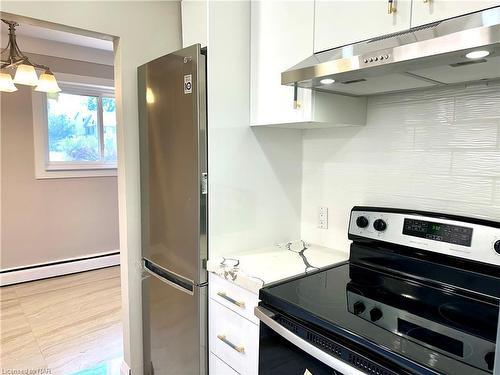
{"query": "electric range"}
{"type": "Point", "coordinates": [419, 295]}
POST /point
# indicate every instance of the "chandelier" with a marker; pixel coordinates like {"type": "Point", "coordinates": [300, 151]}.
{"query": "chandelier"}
{"type": "Point", "coordinates": [25, 73]}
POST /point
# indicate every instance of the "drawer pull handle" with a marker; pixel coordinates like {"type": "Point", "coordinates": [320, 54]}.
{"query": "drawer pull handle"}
{"type": "Point", "coordinates": [240, 304]}
{"type": "Point", "coordinates": [239, 349]}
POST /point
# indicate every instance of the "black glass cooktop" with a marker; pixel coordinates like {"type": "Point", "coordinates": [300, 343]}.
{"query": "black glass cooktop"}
{"type": "Point", "coordinates": [438, 328]}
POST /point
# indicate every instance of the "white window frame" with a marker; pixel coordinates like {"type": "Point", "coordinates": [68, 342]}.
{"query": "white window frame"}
{"type": "Point", "coordinates": [44, 168]}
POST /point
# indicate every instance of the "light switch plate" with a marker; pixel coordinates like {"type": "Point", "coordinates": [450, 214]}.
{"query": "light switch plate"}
{"type": "Point", "coordinates": [323, 218]}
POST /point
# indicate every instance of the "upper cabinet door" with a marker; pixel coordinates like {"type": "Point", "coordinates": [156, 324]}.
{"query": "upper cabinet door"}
{"type": "Point", "coordinates": [338, 23]}
{"type": "Point", "coordinates": [427, 11]}
{"type": "Point", "coordinates": [281, 36]}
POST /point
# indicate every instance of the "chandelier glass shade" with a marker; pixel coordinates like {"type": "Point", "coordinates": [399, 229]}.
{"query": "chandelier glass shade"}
{"type": "Point", "coordinates": [47, 83]}
{"type": "Point", "coordinates": [6, 83]}
{"type": "Point", "coordinates": [26, 75]}
{"type": "Point", "coordinates": [25, 70]}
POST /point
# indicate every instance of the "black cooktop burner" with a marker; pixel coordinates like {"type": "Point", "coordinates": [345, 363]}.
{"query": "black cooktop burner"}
{"type": "Point", "coordinates": [436, 327]}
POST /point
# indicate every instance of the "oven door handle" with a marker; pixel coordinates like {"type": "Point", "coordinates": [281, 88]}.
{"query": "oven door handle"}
{"type": "Point", "coordinates": [266, 317]}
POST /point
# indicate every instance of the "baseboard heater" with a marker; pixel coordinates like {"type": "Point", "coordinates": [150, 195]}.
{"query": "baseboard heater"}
{"type": "Point", "coordinates": [58, 268]}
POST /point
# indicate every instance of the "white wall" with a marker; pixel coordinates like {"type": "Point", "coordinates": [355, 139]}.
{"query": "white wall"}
{"type": "Point", "coordinates": [194, 22]}
{"type": "Point", "coordinates": [145, 30]}
{"type": "Point", "coordinates": [254, 174]}
{"type": "Point", "coordinates": [435, 150]}
{"type": "Point", "coordinates": [65, 50]}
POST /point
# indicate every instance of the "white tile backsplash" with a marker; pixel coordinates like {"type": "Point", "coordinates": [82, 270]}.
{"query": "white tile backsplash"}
{"type": "Point", "coordinates": [476, 163]}
{"type": "Point", "coordinates": [478, 134]}
{"type": "Point", "coordinates": [478, 103]}
{"type": "Point", "coordinates": [435, 150]}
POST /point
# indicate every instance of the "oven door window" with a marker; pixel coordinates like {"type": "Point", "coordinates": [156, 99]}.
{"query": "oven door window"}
{"type": "Point", "coordinates": [277, 356]}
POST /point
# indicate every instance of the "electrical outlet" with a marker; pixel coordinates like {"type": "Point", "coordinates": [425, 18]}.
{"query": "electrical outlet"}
{"type": "Point", "coordinates": [323, 218]}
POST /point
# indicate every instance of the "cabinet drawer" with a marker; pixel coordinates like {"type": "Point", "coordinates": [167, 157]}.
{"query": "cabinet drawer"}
{"type": "Point", "coordinates": [218, 367]}
{"type": "Point", "coordinates": [233, 297]}
{"type": "Point", "coordinates": [233, 339]}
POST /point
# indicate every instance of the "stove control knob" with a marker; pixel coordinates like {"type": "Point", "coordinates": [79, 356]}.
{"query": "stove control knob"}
{"type": "Point", "coordinates": [489, 358]}
{"type": "Point", "coordinates": [496, 246]}
{"type": "Point", "coordinates": [362, 222]}
{"type": "Point", "coordinates": [359, 308]}
{"type": "Point", "coordinates": [375, 314]}
{"type": "Point", "coordinates": [380, 225]}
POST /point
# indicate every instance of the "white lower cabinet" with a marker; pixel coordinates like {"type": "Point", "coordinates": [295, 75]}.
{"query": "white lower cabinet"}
{"type": "Point", "coordinates": [218, 367]}
{"type": "Point", "coordinates": [233, 339]}
{"type": "Point", "coordinates": [235, 298]}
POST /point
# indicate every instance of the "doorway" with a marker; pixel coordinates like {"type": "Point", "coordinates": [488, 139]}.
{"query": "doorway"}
{"type": "Point", "coordinates": [60, 295]}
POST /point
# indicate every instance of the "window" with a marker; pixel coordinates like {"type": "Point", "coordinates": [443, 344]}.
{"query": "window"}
{"type": "Point", "coordinates": [76, 136]}
{"type": "Point", "coordinates": [81, 129]}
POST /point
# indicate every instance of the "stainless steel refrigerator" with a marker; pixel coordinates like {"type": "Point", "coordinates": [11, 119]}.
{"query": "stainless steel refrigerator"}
{"type": "Point", "coordinates": [173, 154]}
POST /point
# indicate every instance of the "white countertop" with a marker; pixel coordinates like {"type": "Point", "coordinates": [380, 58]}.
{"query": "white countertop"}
{"type": "Point", "coordinates": [254, 269]}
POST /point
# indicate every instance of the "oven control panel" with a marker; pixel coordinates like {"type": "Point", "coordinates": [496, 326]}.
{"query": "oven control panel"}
{"type": "Point", "coordinates": [432, 233]}
{"type": "Point", "coordinates": [431, 230]}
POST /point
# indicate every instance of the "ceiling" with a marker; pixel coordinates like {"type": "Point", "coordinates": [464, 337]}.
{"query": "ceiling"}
{"type": "Point", "coordinates": [25, 30]}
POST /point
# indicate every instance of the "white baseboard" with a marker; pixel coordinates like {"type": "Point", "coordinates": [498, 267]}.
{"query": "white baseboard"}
{"type": "Point", "coordinates": [59, 268]}
{"type": "Point", "coordinates": [124, 369]}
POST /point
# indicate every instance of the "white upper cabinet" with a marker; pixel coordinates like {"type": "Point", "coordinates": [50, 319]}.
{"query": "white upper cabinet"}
{"type": "Point", "coordinates": [282, 36]}
{"type": "Point", "coordinates": [194, 22]}
{"type": "Point", "coordinates": [338, 23]}
{"type": "Point", "coordinates": [427, 11]}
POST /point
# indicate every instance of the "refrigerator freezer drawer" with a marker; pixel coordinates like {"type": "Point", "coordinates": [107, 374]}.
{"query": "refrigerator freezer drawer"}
{"type": "Point", "coordinates": [233, 339]}
{"type": "Point", "coordinates": [174, 329]}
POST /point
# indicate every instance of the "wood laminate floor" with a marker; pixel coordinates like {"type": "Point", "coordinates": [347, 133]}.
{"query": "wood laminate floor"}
{"type": "Point", "coordinates": [64, 324]}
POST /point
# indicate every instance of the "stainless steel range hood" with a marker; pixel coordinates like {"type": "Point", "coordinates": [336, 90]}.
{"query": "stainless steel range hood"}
{"type": "Point", "coordinates": [421, 57]}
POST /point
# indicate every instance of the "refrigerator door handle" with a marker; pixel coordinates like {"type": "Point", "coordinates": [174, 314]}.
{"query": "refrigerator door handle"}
{"type": "Point", "coordinates": [169, 277]}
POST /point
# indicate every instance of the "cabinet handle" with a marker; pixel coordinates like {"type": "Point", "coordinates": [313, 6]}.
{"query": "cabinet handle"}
{"type": "Point", "coordinates": [296, 103]}
{"type": "Point", "coordinates": [239, 349]}
{"type": "Point", "coordinates": [240, 304]}
{"type": "Point", "coordinates": [391, 6]}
